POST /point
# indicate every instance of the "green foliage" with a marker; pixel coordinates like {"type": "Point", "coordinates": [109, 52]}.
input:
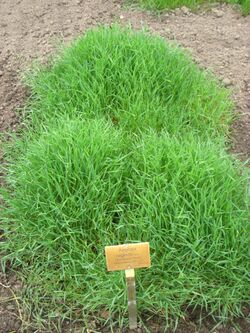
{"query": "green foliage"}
{"type": "Point", "coordinates": [82, 186]}
{"type": "Point", "coordinates": [245, 5]}
{"type": "Point", "coordinates": [171, 4]}
{"type": "Point", "coordinates": [125, 144]}
{"type": "Point", "coordinates": [136, 80]}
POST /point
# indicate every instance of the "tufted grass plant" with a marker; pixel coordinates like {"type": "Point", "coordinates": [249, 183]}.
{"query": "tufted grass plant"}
{"type": "Point", "coordinates": [125, 143]}
{"type": "Point", "coordinates": [245, 5]}
{"type": "Point", "coordinates": [171, 4]}
{"type": "Point", "coordinates": [133, 79]}
{"type": "Point", "coordinates": [84, 185]}
{"type": "Point", "coordinates": [193, 4]}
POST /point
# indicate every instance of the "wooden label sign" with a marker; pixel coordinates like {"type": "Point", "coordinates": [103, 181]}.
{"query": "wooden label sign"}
{"type": "Point", "coordinates": [127, 256]}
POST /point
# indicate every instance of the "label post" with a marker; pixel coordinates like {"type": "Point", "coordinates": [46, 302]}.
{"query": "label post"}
{"type": "Point", "coordinates": [132, 308]}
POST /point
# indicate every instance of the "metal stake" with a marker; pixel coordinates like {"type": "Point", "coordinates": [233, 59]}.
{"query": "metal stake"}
{"type": "Point", "coordinates": [132, 310]}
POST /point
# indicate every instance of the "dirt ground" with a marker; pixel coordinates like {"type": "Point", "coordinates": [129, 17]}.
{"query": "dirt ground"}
{"type": "Point", "coordinates": [218, 38]}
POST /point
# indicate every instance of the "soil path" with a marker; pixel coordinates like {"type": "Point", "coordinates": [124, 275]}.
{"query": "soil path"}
{"type": "Point", "coordinates": [219, 39]}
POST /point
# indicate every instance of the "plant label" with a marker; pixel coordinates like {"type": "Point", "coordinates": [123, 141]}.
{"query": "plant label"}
{"type": "Point", "coordinates": [127, 256]}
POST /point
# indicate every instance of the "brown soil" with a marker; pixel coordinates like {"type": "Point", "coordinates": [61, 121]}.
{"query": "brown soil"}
{"type": "Point", "coordinates": [218, 39]}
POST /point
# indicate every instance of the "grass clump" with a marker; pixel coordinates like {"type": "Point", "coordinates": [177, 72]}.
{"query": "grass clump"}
{"type": "Point", "coordinates": [245, 5]}
{"type": "Point", "coordinates": [125, 144]}
{"type": "Point", "coordinates": [83, 185]}
{"type": "Point", "coordinates": [136, 80]}
{"type": "Point", "coordinates": [172, 4]}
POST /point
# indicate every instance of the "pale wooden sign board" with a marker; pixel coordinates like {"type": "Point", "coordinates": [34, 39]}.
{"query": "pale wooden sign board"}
{"type": "Point", "coordinates": [127, 256]}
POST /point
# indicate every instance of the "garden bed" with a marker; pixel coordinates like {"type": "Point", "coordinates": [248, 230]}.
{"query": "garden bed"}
{"type": "Point", "coordinates": [171, 149]}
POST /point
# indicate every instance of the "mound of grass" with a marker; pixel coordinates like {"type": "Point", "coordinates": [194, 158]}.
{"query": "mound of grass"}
{"type": "Point", "coordinates": [82, 186]}
{"type": "Point", "coordinates": [245, 5]}
{"type": "Point", "coordinates": [125, 144]}
{"type": "Point", "coordinates": [136, 80]}
{"type": "Point", "coordinates": [172, 4]}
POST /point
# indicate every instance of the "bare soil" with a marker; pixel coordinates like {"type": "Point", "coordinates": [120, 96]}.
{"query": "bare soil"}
{"type": "Point", "coordinates": [219, 40]}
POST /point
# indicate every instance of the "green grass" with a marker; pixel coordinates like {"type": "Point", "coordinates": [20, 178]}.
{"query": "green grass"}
{"type": "Point", "coordinates": [245, 5]}
{"type": "Point", "coordinates": [172, 4]}
{"type": "Point", "coordinates": [137, 81]}
{"type": "Point", "coordinates": [125, 143]}
{"type": "Point", "coordinates": [82, 186]}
